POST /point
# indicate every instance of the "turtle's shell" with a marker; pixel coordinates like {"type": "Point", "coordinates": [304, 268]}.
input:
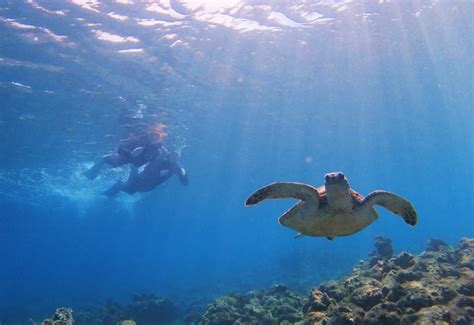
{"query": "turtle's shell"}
{"type": "Point", "coordinates": [323, 198]}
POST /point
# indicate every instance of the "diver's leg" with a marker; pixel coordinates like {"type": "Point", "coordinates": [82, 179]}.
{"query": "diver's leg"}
{"type": "Point", "coordinates": [164, 178]}
{"type": "Point", "coordinates": [130, 185]}
{"type": "Point", "coordinates": [115, 189]}
{"type": "Point", "coordinates": [133, 176]}
{"type": "Point", "coordinates": [94, 171]}
{"type": "Point", "coordinates": [114, 160]}
{"type": "Point", "coordinates": [152, 175]}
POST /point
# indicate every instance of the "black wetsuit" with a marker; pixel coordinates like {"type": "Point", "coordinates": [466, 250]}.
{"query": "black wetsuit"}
{"type": "Point", "coordinates": [149, 149]}
{"type": "Point", "coordinates": [139, 151]}
{"type": "Point", "coordinates": [157, 171]}
{"type": "Point", "coordinates": [136, 150]}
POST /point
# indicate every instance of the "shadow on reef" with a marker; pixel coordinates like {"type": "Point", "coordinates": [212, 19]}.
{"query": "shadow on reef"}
{"type": "Point", "coordinates": [435, 287]}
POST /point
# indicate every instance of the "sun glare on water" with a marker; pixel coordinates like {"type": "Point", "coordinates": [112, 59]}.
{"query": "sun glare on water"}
{"type": "Point", "coordinates": [210, 5]}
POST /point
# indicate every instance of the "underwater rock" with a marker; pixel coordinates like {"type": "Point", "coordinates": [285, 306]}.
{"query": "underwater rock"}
{"type": "Point", "coordinates": [277, 305]}
{"type": "Point", "coordinates": [464, 253]}
{"type": "Point", "coordinates": [406, 276]}
{"type": "Point", "coordinates": [433, 288]}
{"type": "Point", "coordinates": [127, 322]}
{"type": "Point", "coordinates": [383, 250]}
{"type": "Point", "coordinates": [383, 247]}
{"type": "Point", "coordinates": [416, 298]}
{"type": "Point", "coordinates": [435, 245]}
{"type": "Point", "coordinates": [384, 313]}
{"type": "Point", "coordinates": [367, 296]}
{"type": "Point", "coordinates": [62, 316]}
{"type": "Point", "coordinates": [404, 260]}
{"type": "Point", "coordinates": [319, 301]}
{"type": "Point", "coordinates": [332, 289]}
{"type": "Point", "coordinates": [346, 315]}
{"type": "Point", "coordinates": [467, 288]}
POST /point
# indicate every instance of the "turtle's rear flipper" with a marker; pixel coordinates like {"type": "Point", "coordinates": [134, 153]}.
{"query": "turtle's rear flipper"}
{"type": "Point", "coordinates": [394, 203]}
{"type": "Point", "coordinates": [283, 190]}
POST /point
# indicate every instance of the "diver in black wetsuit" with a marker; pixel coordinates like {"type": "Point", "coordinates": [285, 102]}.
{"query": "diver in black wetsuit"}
{"type": "Point", "coordinates": [157, 171]}
{"type": "Point", "coordinates": [139, 151]}
{"type": "Point", "coordinates": [136, 150]}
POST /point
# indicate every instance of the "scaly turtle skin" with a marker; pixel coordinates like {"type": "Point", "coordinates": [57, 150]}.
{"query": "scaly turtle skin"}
{"type": "Point", "coordinates": [333, 209]}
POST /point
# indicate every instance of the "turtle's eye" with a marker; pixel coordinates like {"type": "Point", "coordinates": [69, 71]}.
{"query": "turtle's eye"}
{"type": "Point", "coordinates": [326, 178]}
{"type": "Point", "coordinates": [340, 176]}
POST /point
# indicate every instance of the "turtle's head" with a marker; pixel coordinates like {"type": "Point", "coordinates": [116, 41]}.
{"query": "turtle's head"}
{"type": "Point", "coordinates": [337, 190]}
{"type": "Point", "coordinates": [336, 179]}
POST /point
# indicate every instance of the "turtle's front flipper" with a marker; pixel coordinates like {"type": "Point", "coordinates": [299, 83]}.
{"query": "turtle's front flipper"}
{"type": "Point", "coordinates": [394, 203]}
{"type": "Point", "coordinates": [282, 190]}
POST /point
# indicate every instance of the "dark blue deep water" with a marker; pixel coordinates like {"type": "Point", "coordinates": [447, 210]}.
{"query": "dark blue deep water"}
{"type": "Point", "coordinates": [251, 92]}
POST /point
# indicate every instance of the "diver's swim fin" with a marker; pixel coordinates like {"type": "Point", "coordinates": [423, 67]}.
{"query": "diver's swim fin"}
{"type": "Point", "coordinates": [94, 171]}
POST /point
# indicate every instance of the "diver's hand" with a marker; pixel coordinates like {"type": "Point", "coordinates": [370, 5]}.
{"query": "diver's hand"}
{"type": "Point", "coordinates": [183, 176]}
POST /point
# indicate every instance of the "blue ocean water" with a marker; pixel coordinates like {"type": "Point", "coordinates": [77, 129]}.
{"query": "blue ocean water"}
{"type": "Point", "coordinates": [251, 92]}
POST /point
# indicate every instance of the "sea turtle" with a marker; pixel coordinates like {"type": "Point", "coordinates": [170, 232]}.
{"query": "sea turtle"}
{"type": "Point", "coordinates": [333, 209]}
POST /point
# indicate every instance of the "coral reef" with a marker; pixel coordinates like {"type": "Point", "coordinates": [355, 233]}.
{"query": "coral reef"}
{"type": "Point", "coordinates": [127, 322]}
{"type": "Point", "coordinates": [277, 305]}
{"type": "Point", "coordinates": [383, 247]}
{"type": "Point", "coordinates": [436, 287]}
{"type": "Point", "coordinates": [144, 309]}
{"type": "Point", "coordinates": [62, 316]}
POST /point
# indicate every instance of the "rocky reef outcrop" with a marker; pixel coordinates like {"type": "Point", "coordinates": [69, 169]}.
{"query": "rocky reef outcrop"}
{"type": "Point", "coordinates": [435, 287]}
{"type": "Point", "coordinates": [62, 316]}
{"type": "Point", "coordinates": [277, 305]}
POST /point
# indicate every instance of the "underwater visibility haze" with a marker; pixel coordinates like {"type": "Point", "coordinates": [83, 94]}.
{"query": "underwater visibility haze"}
{"type": "Point", "coordinates": [244, 93]}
